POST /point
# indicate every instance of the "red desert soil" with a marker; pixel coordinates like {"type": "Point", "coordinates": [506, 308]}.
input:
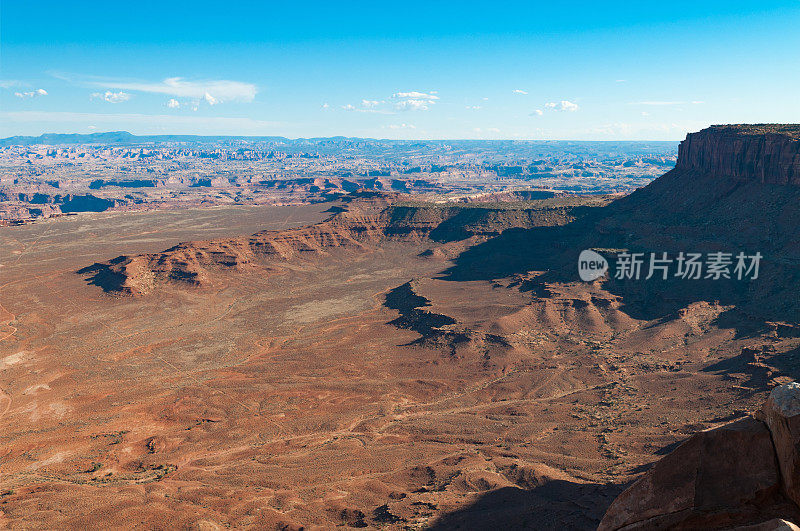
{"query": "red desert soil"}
{"type": "Point", "coordinates": [370, 374]}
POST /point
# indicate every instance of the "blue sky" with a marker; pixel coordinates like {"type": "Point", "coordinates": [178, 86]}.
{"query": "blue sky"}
{"type": "Point", "coordinates": [517, 70]}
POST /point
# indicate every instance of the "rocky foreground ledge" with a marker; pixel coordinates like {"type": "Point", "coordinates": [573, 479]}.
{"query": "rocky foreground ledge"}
{"type": "Point", "coordinates": [744, 476]}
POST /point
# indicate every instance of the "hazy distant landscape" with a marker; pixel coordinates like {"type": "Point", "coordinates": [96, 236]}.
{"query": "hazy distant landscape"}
{"type": "Point", "coordinates": [58, 174]}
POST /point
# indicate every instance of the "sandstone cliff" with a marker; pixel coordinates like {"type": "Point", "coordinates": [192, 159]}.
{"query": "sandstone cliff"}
{"type": "Point", "coordinates": [767, 153]}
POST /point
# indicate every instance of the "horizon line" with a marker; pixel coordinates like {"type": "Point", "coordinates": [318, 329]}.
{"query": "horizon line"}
{"type": "Point", "coordinates": [228, 136]}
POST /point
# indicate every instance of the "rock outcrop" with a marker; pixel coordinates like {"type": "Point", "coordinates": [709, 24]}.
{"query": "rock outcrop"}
{"type": "Point", "coordinates": [767, 153]}
{"type": "Point", "coordinates": [781, 413]}
{"type": "Point", "coordinates": [743, 475]}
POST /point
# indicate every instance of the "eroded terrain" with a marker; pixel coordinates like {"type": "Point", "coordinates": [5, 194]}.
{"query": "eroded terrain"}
{"type": "Point", "coordinates": [358, 383]}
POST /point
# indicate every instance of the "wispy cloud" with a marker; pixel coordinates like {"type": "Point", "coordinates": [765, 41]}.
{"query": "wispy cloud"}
{"type": "Point", "coordinates": [220, 90]}
{"type": "Point", "coordinates": [400, 126]}
{"type": "Point", "coordinates": [537, 112]}
{"type": "Point", "coordinates": [173, 103]}
{"type": "Point", "coordinates": [520, 91]}
{"type": "Point", "coordinates": [367, 106]}
{"type": "Point", "coordinates": [112, 97]}
{"type": "Point", "coordinates": [9, 83]}
{"type": "Point", "coordinates": [31, 93]}
{"type": "Point", "coordinates": [562, 105]}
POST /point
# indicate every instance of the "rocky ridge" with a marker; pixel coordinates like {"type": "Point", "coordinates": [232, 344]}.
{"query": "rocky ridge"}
{"type": "Point", "coordinates": [363, 221]}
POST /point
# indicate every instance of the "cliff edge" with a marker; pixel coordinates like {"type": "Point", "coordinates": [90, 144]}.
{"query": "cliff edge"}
{"type": "Point", "coordinates": [766, 153]}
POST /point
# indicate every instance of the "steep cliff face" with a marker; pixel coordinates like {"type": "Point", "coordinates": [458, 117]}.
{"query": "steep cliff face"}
{"type": "Point", "coordinates": [762, 153]}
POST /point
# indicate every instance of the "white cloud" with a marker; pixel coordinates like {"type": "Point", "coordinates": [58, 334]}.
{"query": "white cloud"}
{"type": "Point", "coordinates": [537, 112]}
{"type": "Point", "coordinates": [31, 94]}
{"type": "Point", "coordinates": [112, 97]}
{"type": "Point", "coordinates": [221, 90]}
{"type": "Point", "coordinates": [400, 126]}
{"type": "Point", "coordinates": [645, 113]}
{"type": "Point", "coordinates": [414, 95]}
{"type": "Point", "coordinates": [325, 106]}
{"type": "Point", "coordinates": [520, 91]}
{"type": "Point", "coordinates": [474, 107]}
{"type": "Point", "coordinates": [349, 107]}
{"type": "Point", "coordinates": [413, 105]}
{"type": "Point", "coordinates": [211, 100]}
{"type": "Point", "coordinates": [173, 103]}
{"type": "Point", "coordinates": [369, 103]}
{"type": "Point", "coordinates": [562, 105]}
{"type": "Point", "coordinates": [493, 130]}
{"type": "Point", "coordinates": [414, 100]}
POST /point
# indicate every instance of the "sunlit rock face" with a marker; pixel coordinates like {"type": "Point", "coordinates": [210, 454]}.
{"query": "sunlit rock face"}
{"type": "Point", "coordinates": [764, 153]}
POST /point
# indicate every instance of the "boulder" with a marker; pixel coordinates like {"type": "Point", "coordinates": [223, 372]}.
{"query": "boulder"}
{"type": "Point", "coordinates": [781, 413]}
{"type": "Point", "coordinates": [716, 479]}
{"type": "Point", "coordinates": [776, 524]}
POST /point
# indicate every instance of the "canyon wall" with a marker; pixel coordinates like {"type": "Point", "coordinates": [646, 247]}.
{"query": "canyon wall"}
{"type": "Point", "coordinates": [765, 153]}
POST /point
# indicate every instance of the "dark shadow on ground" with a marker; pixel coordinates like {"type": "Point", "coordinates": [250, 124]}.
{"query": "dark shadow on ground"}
{"type": "Point", "coordinates": [676, 213]}
{"type": "Point", "coordinates": [561, 505]}
{"type": "Point", "coordinates": [757, 366]}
